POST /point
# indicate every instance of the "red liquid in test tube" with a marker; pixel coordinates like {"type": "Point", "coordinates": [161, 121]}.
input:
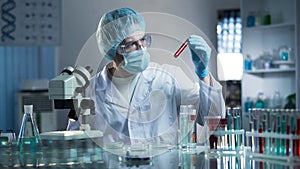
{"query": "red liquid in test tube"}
{"type": "Point", "coordinates": [181, 48]}
{"type": "Point", "coordinates": [287, 140]}
{"type": "Point", "coordinates": [298, 141]}
{"type": "Point", "coordinates": [261, 141]}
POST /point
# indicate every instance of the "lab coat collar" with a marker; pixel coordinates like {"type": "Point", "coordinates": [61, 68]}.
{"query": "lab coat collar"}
{"type": "Point", "coordinates": [146, 78]}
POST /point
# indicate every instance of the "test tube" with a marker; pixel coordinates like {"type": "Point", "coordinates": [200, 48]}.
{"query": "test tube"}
{"type": "Point", "coordinates": [229, 118]}
{"type": "Point", "coordinates": [181, 48]}
{"type": "Point", "coordinates": [293, 129]}
{"type": "Point", "coordinates": [265, 122]}
{"type": "Point", "coordinates": [261, 139]}
{"type": "Point", "coordinates": [251, 139]}
{"type": "Point", "coordinates": [183, 124]}
{"type": "Point", "coordinates": [229, 127]}
{"type": "Point", "coordinates": [283, 131]}
{"type": "Point", "coordinates": [298, 133]}
{"type": "Point", "coordinates": [273, 130]}
{"type": "Point", "coordinates": [288, 130]}
{"type": "Point", "coordinates": [278, 140]}
{"type": "Point", "coordinates": [266, 119]}
{"type": "Point", "coordinates": [237, 127]}
{"type": "Point", "coordinates": [191, 127]}
{"type": "Point", "coordinates": [256, 146]}
{"type": "Point", "coordinates": [266, 139]}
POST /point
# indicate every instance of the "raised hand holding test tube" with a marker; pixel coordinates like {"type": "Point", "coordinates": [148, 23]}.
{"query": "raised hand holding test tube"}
{"type": "Point", "coordinates": [200, 52]}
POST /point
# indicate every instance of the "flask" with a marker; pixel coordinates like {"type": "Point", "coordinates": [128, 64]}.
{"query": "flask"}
{"type": "Point", "coordinates": [29, 139]}
{"type": "Point", "coordinates": [276, 99]}
{"type": "Point", "coordinates": [248, 104]}
{"type": "Point", "coordinates": [258, 18]}
{"type": "Point", "coordinates": [248, 62]}
{"type": "Point", "coordinates": [266, 18]}
{"type": "Point", "coordinates": [251, 19]}
{"type": "Point", "coordinates": [260, 102]}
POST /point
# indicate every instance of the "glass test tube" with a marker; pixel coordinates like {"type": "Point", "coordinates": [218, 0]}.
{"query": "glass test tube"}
{"type": "Point", "coordinates": [237, 127]}
{"type": "Point", "coordinates": [288, 149]}
{"type": "Point", "coordinates": [298, 133]}
{"type": "Point", "coordinates": [191, 127]}
{"type": "Point", "coordinates": [261, 139]}
{"type": "Point", "coordinates": [183, 124]}
{"type": "Point", "coordinates": [278, 131]}
{"type": "Point", "coordinates": [255, 122]}
{"type": "Point", "coordinates": [293, 129]}
{"type": "Point", "coordinates": [181, 48]}
{"type": "Point", "coordinates": [256, 147]}
{"type": "Point", "coordinates": [283, 131]}
{"type": "Point", "coordinates": [265, 123]}
{"type": "Point", "coordinates": [251, 127]}
{"type": "Point", "coordinates": [229, 127]}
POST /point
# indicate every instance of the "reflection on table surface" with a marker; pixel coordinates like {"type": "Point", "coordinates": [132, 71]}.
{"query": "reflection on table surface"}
{"type": "Point", "coordinates": [85, 154]}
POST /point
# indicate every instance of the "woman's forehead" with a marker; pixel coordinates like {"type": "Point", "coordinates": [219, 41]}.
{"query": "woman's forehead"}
{"type": "Point", "coordinates": [135, 36]}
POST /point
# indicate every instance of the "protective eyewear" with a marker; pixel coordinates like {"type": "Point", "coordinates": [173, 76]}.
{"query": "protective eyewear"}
{"type": "Point", "coordinates": [127, 47]}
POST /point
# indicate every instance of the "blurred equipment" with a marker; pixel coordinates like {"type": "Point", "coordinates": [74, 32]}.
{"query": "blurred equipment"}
{"type": "Point", "coordinates": [291, 101]}
{"type": "Point", "coordinates": [68, 92]}
{"type": "Point", "coordinates": [232, 93]}
{"type": "Point", "coordinates": [7, 136]}
{"type": "Point", "coordinates": [35, 92]}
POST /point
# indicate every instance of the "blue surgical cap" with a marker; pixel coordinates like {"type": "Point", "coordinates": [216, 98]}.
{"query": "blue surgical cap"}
{"type": "Point", "coordinates": [114, 27]}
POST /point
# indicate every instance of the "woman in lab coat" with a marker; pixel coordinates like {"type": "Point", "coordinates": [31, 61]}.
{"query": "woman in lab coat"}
{"type": "Point", "coordinates": [138, 101]}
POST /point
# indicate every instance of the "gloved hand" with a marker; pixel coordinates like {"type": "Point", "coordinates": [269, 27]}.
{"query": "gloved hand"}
{"type": "Point", "coordinates": [200, 52]}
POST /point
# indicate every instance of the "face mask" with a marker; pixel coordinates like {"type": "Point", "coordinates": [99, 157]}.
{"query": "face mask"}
{"type": "Point", "coordinates": [136, 61]}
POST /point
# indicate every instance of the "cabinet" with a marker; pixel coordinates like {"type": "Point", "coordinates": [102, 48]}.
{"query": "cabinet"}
{"type": "Point", "coordinates": [260, 39]}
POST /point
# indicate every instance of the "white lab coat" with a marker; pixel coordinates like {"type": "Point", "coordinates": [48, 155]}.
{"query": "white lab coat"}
{"type": "Point", "coordinates": [154, 105]}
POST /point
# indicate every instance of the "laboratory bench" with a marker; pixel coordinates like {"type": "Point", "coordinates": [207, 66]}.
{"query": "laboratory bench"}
{"type": "Point", "coordinates": [87, 154]}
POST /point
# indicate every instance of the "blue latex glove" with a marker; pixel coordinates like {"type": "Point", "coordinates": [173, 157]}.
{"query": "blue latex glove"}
{"type": "Point", "coordinates": [200, 52]}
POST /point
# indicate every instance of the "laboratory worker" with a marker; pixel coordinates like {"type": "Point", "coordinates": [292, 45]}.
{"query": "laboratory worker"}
{"type": "Point", "coordinates": [138, 101]}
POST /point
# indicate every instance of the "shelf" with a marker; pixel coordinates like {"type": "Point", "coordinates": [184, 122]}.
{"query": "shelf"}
{"type": "Point", "coordinates": [258, 40]}
{"type": "Point", "coordinates": [277, 25]}
{"type": "Point", "coordinates": [275, 70]}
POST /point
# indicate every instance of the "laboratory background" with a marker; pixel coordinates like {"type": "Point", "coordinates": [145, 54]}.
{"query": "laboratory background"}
{"type": "Point", "coordinates": [257, 63]}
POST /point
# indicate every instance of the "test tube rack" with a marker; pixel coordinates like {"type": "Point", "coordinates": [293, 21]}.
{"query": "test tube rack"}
{"type": "Point", "coordinates": [227, 142]}
{"type": "Point", "coordinates": [226, 134]}
{"type": "Point", "coordinates": [274, 134]}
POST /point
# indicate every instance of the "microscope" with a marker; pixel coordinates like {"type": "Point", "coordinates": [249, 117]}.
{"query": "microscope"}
{"type": "Point", "coordinates": [68, 92]}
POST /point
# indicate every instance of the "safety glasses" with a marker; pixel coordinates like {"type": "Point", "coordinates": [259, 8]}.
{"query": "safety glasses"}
{"type": "Point", "coordinates": [127, 47]}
